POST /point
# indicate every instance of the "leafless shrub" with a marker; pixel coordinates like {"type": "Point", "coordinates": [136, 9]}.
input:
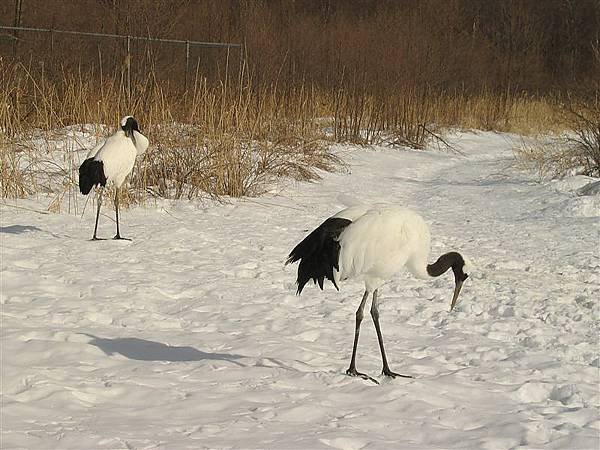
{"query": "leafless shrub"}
{"type": "Point", "coordinates": [576, 150]}
{"type": "Point", "coordinates": [584, 143]}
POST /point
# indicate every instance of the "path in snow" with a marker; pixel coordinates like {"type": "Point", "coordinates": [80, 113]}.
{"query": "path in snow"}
{"type": "Point", "coordinates": [190, 336]}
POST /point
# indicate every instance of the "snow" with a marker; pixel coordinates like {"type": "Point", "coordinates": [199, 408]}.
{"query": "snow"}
{"type": "Point", "coordinates": [190, 336]}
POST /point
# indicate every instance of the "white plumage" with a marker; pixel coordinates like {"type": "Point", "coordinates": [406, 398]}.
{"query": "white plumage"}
{"type": "Point", "coordinates": [118, 155]}
{"type": "Point", "coordinates": [380, 242]}
{"type": "Point", "coordinates": [141, 141]}
{"type": "Point", "coordinates": [118, 152]}
{"type": "Point", "coordinates": [372, 243]}
{"type": "Point", "coordinates": [111, 162]}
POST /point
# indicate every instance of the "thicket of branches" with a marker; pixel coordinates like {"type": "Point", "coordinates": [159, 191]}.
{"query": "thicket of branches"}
{"type": "Point", "coordinates": [465, 45]}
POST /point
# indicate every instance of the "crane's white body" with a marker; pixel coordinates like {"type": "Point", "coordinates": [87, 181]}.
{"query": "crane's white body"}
{"type": "Point", "coordinates": [141, 145]}
{"type": "Point", "coordinates": [118, 157]}
{"type": "Point", "coordinates": [118, 153]}
{"type": "Point", "coordinates": [380, 242]}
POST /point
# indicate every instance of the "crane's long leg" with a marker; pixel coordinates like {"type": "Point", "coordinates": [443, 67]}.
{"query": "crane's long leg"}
{"type": "Point", "coordinates": [375, 315]}
{"type": "Point", "coordinates": [94, 238]}
{"type": "Point", "coordinates": [359, 317]}
{"type": "Point", "coordinates": [118, 235]}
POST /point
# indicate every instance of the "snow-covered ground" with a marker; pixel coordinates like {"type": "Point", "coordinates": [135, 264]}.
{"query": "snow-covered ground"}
{"type": "Point", "coordinates": [190, 336]}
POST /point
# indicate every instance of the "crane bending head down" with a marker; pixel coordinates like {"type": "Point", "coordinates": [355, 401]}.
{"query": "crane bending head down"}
{"type": "Point", "coordinates": [372, 243]}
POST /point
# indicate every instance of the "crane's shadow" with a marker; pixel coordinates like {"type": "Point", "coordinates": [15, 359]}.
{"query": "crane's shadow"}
{"type": "Point", "coordinates": [24, 229]}
{"type": "Point", "coordinates": [144, 350]}
{"type": "Point", "coordinates": [18, 229]}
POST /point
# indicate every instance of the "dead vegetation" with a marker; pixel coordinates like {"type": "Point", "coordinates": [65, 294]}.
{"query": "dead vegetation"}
{"type": "Point", "coordinates": [219, 140]}
{"type": "Point", "coordinates": [574, 151]}
{"type": "Point", "coordinates": [312, 73]}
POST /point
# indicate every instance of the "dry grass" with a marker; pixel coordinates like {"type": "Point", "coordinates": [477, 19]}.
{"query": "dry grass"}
{"type": "Point", "coordinates": [574, 151]}
{"type": "Point", "coordinates": [224, 139]}
{"type": "Point", "coordinates": [521, 114]}
{"type": "Point", "coordinates": [231, 138]}
{"type": "Point", "coordinates": [411, 116]}
{"type": "Point", "coordinates": [13, 181]}
{"type": "Point", "coordinates": [547, 157]}
{"type": "Point", "coordinates": [314, 72]}
{"type": "Point", "coordinates": [584, 143]}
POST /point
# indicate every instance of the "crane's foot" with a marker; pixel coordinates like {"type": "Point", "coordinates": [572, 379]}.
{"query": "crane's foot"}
{"type": "Point", "coordinates": [388, 373]}
{"type": "Point", "coordinates": [354, 373]}
{"type": "Point", "coordinates": [97, 239]}
{"type": "Point", "coordinates": [119, 238]}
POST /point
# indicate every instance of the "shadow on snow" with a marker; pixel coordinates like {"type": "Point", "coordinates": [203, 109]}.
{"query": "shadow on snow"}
{"type": "Point", "coordinates": [143, 350]}
{"type": "Point", "coordinates": [18, 229]}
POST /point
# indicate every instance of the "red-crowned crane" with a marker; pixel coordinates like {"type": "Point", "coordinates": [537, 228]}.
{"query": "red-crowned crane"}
{"type": "Point", "coordinates": [112, 161]}
{"type": "Point", "coordinates": [372, 243]}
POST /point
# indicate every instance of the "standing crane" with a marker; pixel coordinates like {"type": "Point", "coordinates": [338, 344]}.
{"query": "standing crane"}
{"type": "Point", "coordinates": [112, 161]}
{"type": "Point", "coordinates": [372, 243]}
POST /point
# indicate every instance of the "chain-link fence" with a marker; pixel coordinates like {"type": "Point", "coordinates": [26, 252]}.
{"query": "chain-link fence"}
{"type": "Point", "coordinates": [130, 58]}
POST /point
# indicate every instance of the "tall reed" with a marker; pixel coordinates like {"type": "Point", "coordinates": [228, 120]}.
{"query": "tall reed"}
{"type": "Point", "coordinates": [230, 138]}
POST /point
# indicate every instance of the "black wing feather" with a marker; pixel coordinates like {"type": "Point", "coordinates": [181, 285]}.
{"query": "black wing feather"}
{"type": "Point", "coordinates": [319, 253]}
{"type": "Point", "coordinates": [91, 173]}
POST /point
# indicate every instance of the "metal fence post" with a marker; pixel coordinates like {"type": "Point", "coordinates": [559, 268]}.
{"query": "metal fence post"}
{"type": "Point", "coordinates": [187, 62]}
{"type": "Point", "coordinates": [128, 62]}
{"type": "Point", "coordinates": [100, 64]}
{"type": "Point", "coordinates": [17, 24]}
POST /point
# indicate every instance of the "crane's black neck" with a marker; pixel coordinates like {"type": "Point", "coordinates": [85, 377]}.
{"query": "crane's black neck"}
{"type": "Point", "coordinates": [445, 262]}
{"type": "Point", "coordinates": [129, 127]}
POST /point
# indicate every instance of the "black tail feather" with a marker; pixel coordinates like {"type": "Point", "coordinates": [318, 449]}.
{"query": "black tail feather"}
{"type": "Point", "coordinates": [91, 173]}
{"type": "Point", "coordinates": [319, 253]}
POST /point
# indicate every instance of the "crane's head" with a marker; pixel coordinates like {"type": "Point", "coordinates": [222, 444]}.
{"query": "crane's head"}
{"type": "Point", "coordinates": [129, 125]}
{"type": "Point", "coordinates": [461, 267]}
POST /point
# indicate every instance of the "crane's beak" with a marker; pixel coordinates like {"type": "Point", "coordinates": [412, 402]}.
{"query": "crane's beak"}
{"type": "Point", "coordinates": [456, 292]}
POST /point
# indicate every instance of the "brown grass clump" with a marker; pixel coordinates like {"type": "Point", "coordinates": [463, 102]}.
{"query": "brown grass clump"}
{"type": "Point", "coordinates": [584, 143]}
{"type": "Point", "coordinates": [574, 151]}
{"type": "Point", "coordinates": [229, 138]}
{"type": "Point", "coordinates": [523, 114]}
{"type": "Point", "coordinates": [13, 182]}
{"type": "Point", "coordinates": [223, 139]}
